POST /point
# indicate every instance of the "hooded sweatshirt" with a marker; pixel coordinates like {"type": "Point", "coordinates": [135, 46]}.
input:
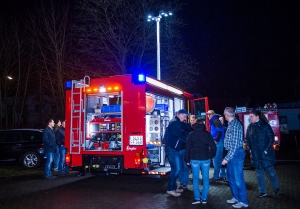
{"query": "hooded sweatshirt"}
{"type": "Point", "coordinates": [199, 144]}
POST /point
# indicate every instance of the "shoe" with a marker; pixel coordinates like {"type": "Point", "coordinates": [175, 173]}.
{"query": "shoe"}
{"type": "Point", "coordinates": [212, 180]}
{"type": "Point", "coordinates": [196, 202]}
{"type": "Point", "coordinates": [240, 205]}
{"type": "Point", "coordinates": [55, 169]}
{"type": "Point", "coordinates": [223, 179]}
{"type": "Point", "coordinates": [179, 190]}
{"type": "Point", "coordinates": [232, 201]}
{"type": "Point", "coordinates": [173, 193]}
{"type": "Point", "coordinates": [260, 195]}
{"type": "Point", "coordinates": [184, 187]}
{"type": "Point", "coordinates": [276, 191]}
{"type": "Point", "coordinates": [50, 177]}
{"type": "Point", "coordinates": [203, 201]}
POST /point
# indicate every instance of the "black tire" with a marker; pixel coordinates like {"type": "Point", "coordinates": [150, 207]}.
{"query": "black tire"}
{"type": "Point", "coordinates": [31, 160]}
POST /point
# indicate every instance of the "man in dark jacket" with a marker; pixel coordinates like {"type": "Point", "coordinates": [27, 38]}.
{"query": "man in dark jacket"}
{"type": "Point", "coordinates": [259, 140]}
{"type": "Point", "coordinates": [199, 147]}
{"type": "Point", "coordinates": [49, 148]}
{"type": "Point", "coordinates": [217, 132]}
{"type": "Point", "coordinates": [60, 141]}
{"type": "Point", "coordinates": [56, 155]}
{"type": "Point", "coordinates": [175, 139]}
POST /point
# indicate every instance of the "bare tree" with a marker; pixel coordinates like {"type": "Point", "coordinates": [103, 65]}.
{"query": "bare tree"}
{"type": "Point", "coordinates": [114, 37]}
{"type": "Point", "coordinates": [10, 65]}
{"type": "Point", "coordinates": [49, 28]}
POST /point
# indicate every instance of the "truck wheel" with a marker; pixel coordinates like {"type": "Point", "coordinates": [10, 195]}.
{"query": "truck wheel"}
{"type": "Point", "coordinates": [31, 160]}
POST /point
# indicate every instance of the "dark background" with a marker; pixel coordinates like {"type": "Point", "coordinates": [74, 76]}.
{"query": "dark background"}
{"type": "Point", "coordinates": [246, 52]}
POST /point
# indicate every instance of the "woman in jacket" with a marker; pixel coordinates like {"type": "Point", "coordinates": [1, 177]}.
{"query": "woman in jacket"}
{"type": "Point", "coordinates": [259, 140]}
{"type": "Point", "coordinates": [199, 148]}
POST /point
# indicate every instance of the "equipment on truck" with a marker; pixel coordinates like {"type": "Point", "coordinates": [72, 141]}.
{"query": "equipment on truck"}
{"type": "Point", "coordinates": [117, 123]}
{"type": "Point", "coordinates": [271, 114]}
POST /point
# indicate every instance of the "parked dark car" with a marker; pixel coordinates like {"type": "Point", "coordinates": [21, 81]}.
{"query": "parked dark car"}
{"type": "Point", "coordinates": [24, 146]}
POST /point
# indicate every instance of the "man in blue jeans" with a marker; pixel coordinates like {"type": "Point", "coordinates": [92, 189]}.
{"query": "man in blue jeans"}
{"type": "Point", "coordinates": [199, 147]}
{"type": "Point", "coordinates": [217, 132]}
{"type": "Point", "coordinates": [56, 155]}
{"type": "Point", "coordinates": [49, 148]}
{"type": "Point", "coordinates": [234, 159]}
{"type": "Point", "coordinates": [60, 141]}
{"type": "Point", "coordinates": [175, 140]}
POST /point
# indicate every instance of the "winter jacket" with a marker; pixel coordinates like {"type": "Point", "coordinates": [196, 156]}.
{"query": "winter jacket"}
{"type": "Point", "coordinates": [60, 136]}
{"type": "Point", "coordinates": [260, 138]}
{"type": "Point", "coordinates": [175, 136]}
{"type": "Point", "coordinates": [56, 127]}
{"type": "Point", "coordinates": [216, 129]}
{"type": "Point", "coordinates": [198, 144]}
{"type": "Point", "coordinates": [49, 140]}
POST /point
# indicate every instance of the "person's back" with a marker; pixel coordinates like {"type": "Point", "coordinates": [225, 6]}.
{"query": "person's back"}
{"type": "Point", "coordinates": [201, 144]}
{"type": "Point", "coordinates": [198, 145]}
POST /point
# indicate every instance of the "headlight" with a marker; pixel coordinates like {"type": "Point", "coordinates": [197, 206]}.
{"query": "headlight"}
{"type": "Point", "coordinates": [276, 138]}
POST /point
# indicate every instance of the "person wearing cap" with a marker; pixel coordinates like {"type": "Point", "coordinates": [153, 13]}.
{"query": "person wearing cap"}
{"type": "Point", "coordinates": [175, 139]}
{"type": "Point", "coordinates": [217, 132]}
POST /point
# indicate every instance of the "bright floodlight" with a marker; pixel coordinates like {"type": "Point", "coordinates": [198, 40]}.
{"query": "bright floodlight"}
{"type": "Point", "coordinates": [157, 19]}
{"type": "Point", "coordinates": [9, 77]}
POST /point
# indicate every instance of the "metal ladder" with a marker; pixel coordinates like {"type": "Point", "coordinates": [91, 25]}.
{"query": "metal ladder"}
{"type": "Point", "coordinates": [77, 114]}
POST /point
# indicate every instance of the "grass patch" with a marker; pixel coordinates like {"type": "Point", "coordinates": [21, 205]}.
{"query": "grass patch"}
{"type": "Point", "coordinates": [17, 170]}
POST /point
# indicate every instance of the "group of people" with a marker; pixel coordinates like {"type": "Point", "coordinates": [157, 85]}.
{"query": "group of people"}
{"type": "Point", "coordinates": [192, 145]}
{"type": "Point", "coordinates": [54, 148]}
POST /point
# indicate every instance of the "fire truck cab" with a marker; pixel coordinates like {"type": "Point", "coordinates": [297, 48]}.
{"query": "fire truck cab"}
{"type": "Point", "coordinates": [271, 114]}
{"type": "Point", "coordinates": [116, 124]}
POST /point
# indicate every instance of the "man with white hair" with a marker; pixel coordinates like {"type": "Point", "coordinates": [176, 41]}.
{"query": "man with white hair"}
{"type": "Point", "coordinates": [217, 133]}
{"type": "Point", "coordinates": [234, 159]}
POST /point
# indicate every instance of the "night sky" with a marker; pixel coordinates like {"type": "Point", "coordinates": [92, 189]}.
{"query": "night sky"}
{"type": "Point", "coordinates": [244, 50]}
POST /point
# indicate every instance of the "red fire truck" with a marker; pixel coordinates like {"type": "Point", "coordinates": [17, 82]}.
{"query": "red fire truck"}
{"type": "Point", "coordinates": [116, 124]}
{"type": "Point", "coordinates": [271, 114]}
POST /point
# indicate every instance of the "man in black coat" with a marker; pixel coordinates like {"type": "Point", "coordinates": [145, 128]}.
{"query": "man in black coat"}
{"type": "Point", "coordinates": [60, 141]}
{"type": "Point", "coordinates": [175, 139]}
{"type": "Point", "coordinates": [49, 148]}
{"type": "Point", "coordinates": [259, 140]}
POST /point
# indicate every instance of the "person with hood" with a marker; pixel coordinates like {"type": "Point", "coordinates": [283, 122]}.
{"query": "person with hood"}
{"type": "Point", "coordinates": [259, 140]}
{"type": "Point", "coordinates": [199, 148]}
{"type": "Point", "coordinates": [175, 139]}
{"type": "Point", "coordinates": [217, 132]}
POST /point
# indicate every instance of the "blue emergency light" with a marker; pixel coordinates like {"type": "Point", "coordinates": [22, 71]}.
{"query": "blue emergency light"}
{"type": "Point", "coordinates": [68, 85]}
{"type": "Point", "coordinates": [141, 78]}
{"type": "Point", "coordinates": [138, 78]}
